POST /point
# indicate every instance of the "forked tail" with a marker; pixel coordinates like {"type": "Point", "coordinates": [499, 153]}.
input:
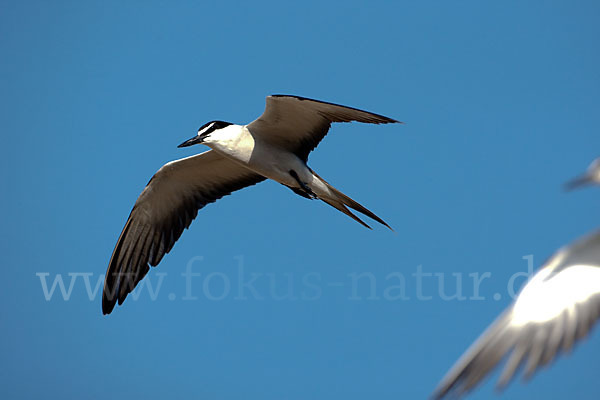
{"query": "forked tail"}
{"type": "Point", "coordinates": [341, 201]}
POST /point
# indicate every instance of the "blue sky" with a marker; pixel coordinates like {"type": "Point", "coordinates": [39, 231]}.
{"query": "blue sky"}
{"type": "Point", "coordinates": [500, 102]}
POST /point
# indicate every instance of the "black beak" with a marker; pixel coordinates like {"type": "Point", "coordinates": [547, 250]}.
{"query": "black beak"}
{"type": "Point", "coordinates": [578, 182]}
{"type": "Point", "coordinates": [192, 141]}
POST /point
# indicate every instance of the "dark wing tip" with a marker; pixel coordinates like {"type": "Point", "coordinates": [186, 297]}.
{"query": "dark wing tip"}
{"type": "Point", "coordinates": [109, 293]}
{"type": "Point", "coordinates": [385, 120]}
{"type": "Point", "coordinates": [107, 305]}
{"type": "Point", "coordinates": [577, 182]}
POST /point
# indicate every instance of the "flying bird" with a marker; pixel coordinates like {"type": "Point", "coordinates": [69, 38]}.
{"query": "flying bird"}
{"type": "Point", "coordinates": [274, 146]}
{"type": "Point", "coordinates": [555, 308]}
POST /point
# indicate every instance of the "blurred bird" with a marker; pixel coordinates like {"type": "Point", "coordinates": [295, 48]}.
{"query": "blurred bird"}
{"type": "Point", "coordinates": [274, 146]}
{"type": "Point", "coordinates": [590, 177]}
{"type": "Point", "coordinates": [557, 307]}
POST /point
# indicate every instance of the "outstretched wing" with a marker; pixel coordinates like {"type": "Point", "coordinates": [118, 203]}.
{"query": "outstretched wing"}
{"type": "Point", "coordinates": [166, 207]}
{"type": "Point", "coordinates": [558, 306]}
{"type": "Point", "coordinates": [298, 124]}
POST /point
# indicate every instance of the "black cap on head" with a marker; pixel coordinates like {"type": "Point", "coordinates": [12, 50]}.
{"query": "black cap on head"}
{"type": "Point", "coordinates": [204, 131]}
{"type": "Point", "coordinates": [213, 125]}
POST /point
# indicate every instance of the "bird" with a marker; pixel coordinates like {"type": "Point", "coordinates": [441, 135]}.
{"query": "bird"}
{"type": "Point", "coordinates": [589, 177]}
{"type": "Point", "coordinates": [557, 307]}
{"type": "Point", "coordinates": [274, 146]}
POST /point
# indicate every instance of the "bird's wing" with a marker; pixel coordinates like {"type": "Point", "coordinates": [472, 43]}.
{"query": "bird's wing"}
{"type": "Point", "coordinates": [166, 207]}
{"type": "Point", "coordinates": [298, 124]}
{"type": "Point", "coordinates": [589, 177]}
{"type": "Point", "coordinates": [556, 307]}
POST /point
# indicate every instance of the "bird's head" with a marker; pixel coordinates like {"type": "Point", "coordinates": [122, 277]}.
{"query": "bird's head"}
{"type": "Point", "coordinates": [590, 177]}
{"type": "Point", "coordinates": [204, 133]}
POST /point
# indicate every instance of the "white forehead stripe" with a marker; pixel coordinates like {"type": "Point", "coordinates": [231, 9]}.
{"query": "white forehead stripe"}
{"type": "Point", "coordinates": [207, 127]}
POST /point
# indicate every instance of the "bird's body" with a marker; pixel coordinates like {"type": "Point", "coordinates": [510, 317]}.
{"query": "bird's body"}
{"type": "Point", "coordinates": [555, 308]}
{"type": "Point", "coordinates": [237, 143]}
{"type": "Point", "coordinates": [274, 146]}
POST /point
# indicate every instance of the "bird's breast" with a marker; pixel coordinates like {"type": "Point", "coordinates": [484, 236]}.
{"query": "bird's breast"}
{"type": "Point", "coordinates": [261, 157]}
{"type": "Point", "coordinates": [239, 146]}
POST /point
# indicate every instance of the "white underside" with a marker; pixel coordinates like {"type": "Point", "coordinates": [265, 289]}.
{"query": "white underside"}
{"type": "Point", "coordinates": [238, 144]}
{"type": "Point", "coordinates": [545, 298]}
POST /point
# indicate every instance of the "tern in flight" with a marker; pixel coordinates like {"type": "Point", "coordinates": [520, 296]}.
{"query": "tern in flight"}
{"type": "Point", "coordinates": [274, 146]}
{"type": "Point", "coordinates": [557, 307]}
